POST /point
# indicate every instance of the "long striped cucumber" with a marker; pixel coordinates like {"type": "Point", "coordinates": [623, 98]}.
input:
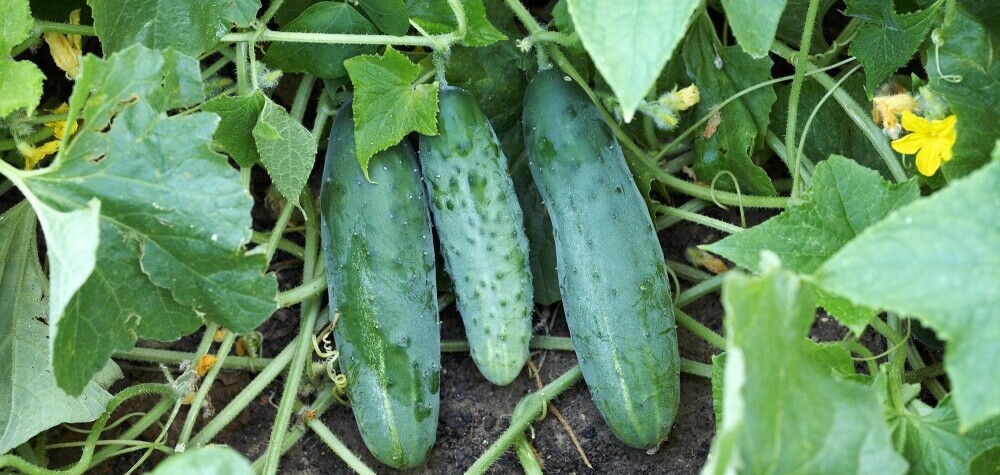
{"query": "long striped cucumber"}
{"type": "Point", "coordinates": [479, 223]}
{"type": "Point", "coordinates": [380, 267]}
{"type": "Point", "coordinates": [612, 274]}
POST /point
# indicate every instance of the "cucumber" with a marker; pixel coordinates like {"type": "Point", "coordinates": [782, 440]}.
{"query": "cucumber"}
{"type": "Point", "coordinates": [480, 225]}
{"type": "Point", "coordinates": [538, 227]}
{"type": "Point", "coordinates": [612, 275]}
{"type": "Point", "coordinates": [380, 267]}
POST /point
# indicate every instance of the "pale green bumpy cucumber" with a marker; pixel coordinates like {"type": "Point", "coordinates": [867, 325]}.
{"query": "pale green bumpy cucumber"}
{"type": "Point", "coordinates": [479, 223]}
{"type": "Point", "coordinates": [612, 275]}
{"type": "Point", "coordinates": [380, 267]}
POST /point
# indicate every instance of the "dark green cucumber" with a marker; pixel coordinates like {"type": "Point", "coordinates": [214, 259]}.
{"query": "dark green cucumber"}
{"type": "Point", "coordinates": [538, 228]}
{"type": "Point", "coordinates": [380, 267]}
{"type": "Point", "coordinates": [612, 275]}
{"type": "Point", "coordinates": [479, 223]}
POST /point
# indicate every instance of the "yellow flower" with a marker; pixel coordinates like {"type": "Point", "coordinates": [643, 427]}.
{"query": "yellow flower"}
{"type": "Point", "coordinates": [66, 49]}
{"type": "Point", "coordinates": [931, 140]}
{"type": "Point", "coordinates": [59, 126]}
{"type": "Point", "coordinates": [886, 108]}
{"type": "Point", "coordinates": [32, 155]}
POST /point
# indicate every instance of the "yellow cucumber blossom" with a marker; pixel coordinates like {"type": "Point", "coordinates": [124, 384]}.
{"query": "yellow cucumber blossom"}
{"type": "Point", "coordinates": [885, 108]}
{"type": "Point", "coordinates": [930, 140]}
{"type": "Point", "coordinates": [67, 49]}
{"type": "Point", "coordinates": [664, 110]}
{"type": "Point", "coordinates": [32, 154]}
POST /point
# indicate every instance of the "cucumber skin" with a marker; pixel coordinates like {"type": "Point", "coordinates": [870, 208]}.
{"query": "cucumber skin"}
{"type": "Point", "coordinates": [480, 226]}
{"type": "Point", "coordinates": [538, 227]}
{"type": "Point", "coordinates": [612, 274]}
{"type": "Point", "coordinates": [380, 266]}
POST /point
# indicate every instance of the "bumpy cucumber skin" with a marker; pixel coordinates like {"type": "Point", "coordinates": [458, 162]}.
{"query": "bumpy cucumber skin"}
{"type": "Point", "coordinates": [612, 274]}
{"type": "Point", "coordinates": [479, 223]}
{"type": "Point", "coordinates": [380, 267]}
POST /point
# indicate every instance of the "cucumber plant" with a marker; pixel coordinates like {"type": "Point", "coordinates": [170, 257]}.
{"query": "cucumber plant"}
{"type": "Point", "coordinates": [170, 165]}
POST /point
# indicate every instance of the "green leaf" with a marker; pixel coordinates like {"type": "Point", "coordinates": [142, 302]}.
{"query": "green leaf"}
{"type": "Point", "coordinates": [30, 402]}
{"type": "Point", "coordinates": [386, 83]}
{"type": "Point", "coordinates": [189, 26]}
{"type": "Point", "coordinates": [930, 440]}
{"type": "Point", "coordinates": [390, 16]}
{"type": "Point", "coordinates": [844, 199]}
{"type": "Point", "coordinates": [239, 115]}
{"type": "Point", "coordinates": [242, 12]}
{"type": "Point", "coordinates": [15, 24]}
{"type": "Point", "coordinates": [720, 73]}
{"type": "Point", "coordinates": [986, 462]}
{"type": "Point", "coordinates": [887, 40]}
{"type": "Point", "coordinates": [936, 259]}
{"type": "Point", "coordinates": [754, 23]}
{"type": "Point", "coordinates": [436, 17]}
{"type": "Point", "coordinates": [783, 412]}
{"type": "Point", "coordinates": [213, 460]}
{"type": "Point", "coordinates": [20, 86]}
{"type": "Point", "coordinates": [172, 215]}
{"type": "Point", "coordinates": [968, 50]}
{"type": "Point", "coordinates": [630, 41]}
{"type": "Point", "coordinates": [20, 81]}
{"type": "Point", "coordinates": [325, 61]}
{"type": "Point", "coordinates": [287, 150]}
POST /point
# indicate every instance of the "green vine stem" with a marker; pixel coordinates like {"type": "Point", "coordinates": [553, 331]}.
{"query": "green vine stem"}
{"type": "Point", "coordinates": [793, 101]}
{"type": "Point", "coordinates": [303, 347]}
{"type": "Point", "coordinates": [41, 26]}
{"type": "Point", "coordinates": [338, 447]}
{"type": "Point", "coordinates": [700, 290]}
{"type": "Point", "coordinates": [279, 230]}
{"type": "Point", "coordinates": [687, 272]}
{"type": "Point", "coordinates": [290, 247]}
{"type": "Point", "coordinates": [148, 419]}
{"type": "Point", "coordinates": [243, 81]}
{"type": "Point", "coordinates": [311, 288]}
{"type": "Point", "coordinates": [924, 374]}
{"type": "Point", "coordinates": [526, 411]}
{"type": "Point", "coordinates": [155, 355]}
{"type": "Point", "coordinates": [692, 206]}
{"type": "Point", "coordinates": [859, 116]}
{"type": "Point", "coordinates": [701, 331]}
{"type": "Point", "coordinates": [526, 456]}
{"type": "Point", "coordinates": [246, 396]}
{"type": "Point", "coordinates": [78, 468]}
{"type": "Point", "coordinates": [896, 362]}
{"type": "Point", "coordinates": [322, 402]}
{"type": "Point", "coordinates": [841, 42]}
{"type": "Point", "coordinates": [195, 410]}
{"type": "Point", "coordinates": [699, 219]}
{"type": "Point", "coordinates": [778, 147]}
{"type": "Point", "coordinates": [302, 96]}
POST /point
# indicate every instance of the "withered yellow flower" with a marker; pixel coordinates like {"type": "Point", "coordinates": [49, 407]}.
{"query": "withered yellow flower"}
{"type": "Point", "coordinates": [67, 49]}
{"type": "Point", "coordinates": [886, 108]}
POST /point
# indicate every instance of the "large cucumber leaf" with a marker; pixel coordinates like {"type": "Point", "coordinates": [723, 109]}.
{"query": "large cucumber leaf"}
{"type": "Point", "coordinates": [189, 26]}
{"type": "Point", "coordinates": [20, 81]}
{"type": "Point", "coordinates": [936, 259]}
{"type": "Point", "coordinates": [30, 401]}
{"type": "Point", "coordinates": [783, 411]}
{"type": "Point", "coordinates": [145, 233]}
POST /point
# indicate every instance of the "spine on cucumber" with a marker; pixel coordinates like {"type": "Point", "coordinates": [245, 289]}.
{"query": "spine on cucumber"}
{"type": "Point", "coordinates": [612, 275]}
{"type": "Point", "coordinates": [479, 223]}
{"type": "Point", "coordinates": [380, 267]}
